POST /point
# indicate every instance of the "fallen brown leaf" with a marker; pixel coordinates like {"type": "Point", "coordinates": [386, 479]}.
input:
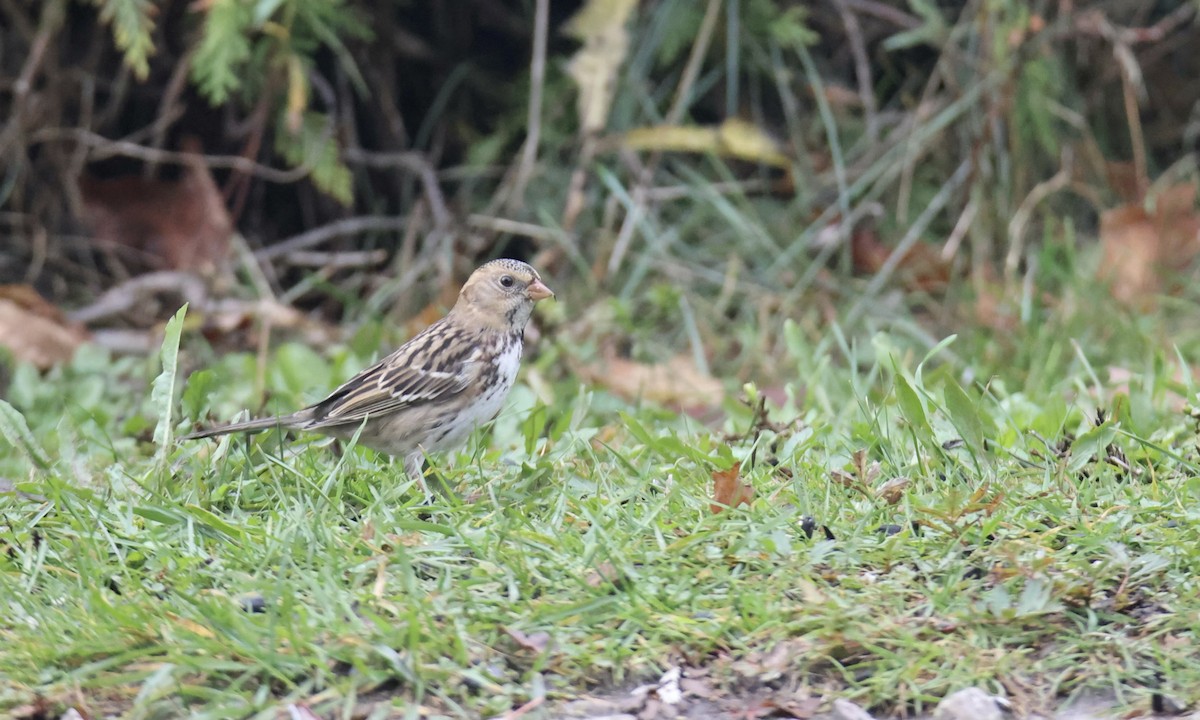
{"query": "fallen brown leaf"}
{"type": "Point", "coordinates": [180, 224]}
{"type": "Point", "coordinates": [922, 267]}
{"type": "Point", "coordinates": [677, 382]}
{"type": "Point", "coordinates": [1130, 246]}
{"type": "Point", "coordinates": [1138, 246]}
{"type": "Point", "coordinates": [35, 331]}
{"type": "Point", "coordinates": [536, 642]}
{"type": "Point", "coordinates": [867, 470]}
{"type": "Point", "coordinates": [728, 490]}
{"type": "Point", "coordinates": [893, 490]}
{"type": "Point", "coordinates": [603, 574]}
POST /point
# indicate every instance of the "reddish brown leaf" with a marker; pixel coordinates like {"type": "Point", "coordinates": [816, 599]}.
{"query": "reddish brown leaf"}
{"type": "Point", "coordinates": [35, 331]}
{"type": "Point", "coordinates": [179, 224]}
{"type": "Point", "coordinates": [1138, 246]}
{"type": "Point", "coordinates": [1130, 260]}
{"type": "Point", "coordinates": [920, 268]}
{"type": "Point", "coordinates": [893, 490]}
{"type": "Point", "coordinates": [729, 490]}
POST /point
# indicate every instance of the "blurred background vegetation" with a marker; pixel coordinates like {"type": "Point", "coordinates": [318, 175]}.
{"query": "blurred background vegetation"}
{"type": "Point", "coordinates": [713, 164]}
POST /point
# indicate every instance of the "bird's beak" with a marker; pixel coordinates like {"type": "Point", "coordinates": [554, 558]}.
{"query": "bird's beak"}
{"type": "Point", "coordinates": [538, 291]}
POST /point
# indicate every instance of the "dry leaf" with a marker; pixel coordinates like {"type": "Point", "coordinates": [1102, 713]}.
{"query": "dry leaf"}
{"type": "Point", "coordinates": [603, 574]}
{"type": "Point", "coordinates": [600, 24]}
{"type": "Point", "coordinates": [922, 267]}
{"type": "Point", "coordinates": [734, 138]}
{"type": "Point", "coordinates": [180, 224]}
{"type": "Point", "coordinates": [728, 490]}
{"type": "Point", "coordinates": [677, 382]}
{"type": "Point", "coordinates": [1130, 259]}
{"type": "Point", "coordinates": [893, 490]}
{"type": "Point", "coordinates": [1138, 247]}
{"type": "Point", "coordinates": [866, 471]}
{"type": "Point", "coordinates": [536, 642]}
{"type": "Point", "coordinates": [35, 331]}
{"type": "Point", "coordinates": [845, 479]}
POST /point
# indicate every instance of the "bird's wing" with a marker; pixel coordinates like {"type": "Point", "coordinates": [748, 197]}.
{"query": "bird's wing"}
{"type": "Point", "coordinates": [427, 369]}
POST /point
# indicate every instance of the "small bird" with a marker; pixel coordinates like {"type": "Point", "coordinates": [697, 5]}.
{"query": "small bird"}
{"type": "Point", "coordinates": [429, 395]}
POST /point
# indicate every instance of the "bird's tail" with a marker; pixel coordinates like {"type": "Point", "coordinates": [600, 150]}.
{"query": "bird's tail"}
{"type": "Point", "coordinates": [246, 426]}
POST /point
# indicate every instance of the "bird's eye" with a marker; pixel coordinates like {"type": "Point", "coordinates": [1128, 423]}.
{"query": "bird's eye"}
{"type": "Point", "coordinates": [507, 280]}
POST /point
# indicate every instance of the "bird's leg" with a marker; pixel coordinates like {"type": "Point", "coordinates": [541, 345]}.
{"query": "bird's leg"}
{"type": "Point", "coordinates": [413, 463]}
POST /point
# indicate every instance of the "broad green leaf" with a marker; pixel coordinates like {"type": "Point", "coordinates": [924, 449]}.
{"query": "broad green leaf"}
{"type": "Point", "coordinates": [1089, 445]}
{"type": "Point", "coordinates": [215, 522]}
{"type": "Point", "coordinates": [162, 393]}
{"type": "Point", "coordinates": [911, 407]}
{"type": "Point", "coordinates": [16, 431]}
{"type": "Point", "coordinates": [964, 413]}
{"type": "Point", "coordinates": [159, 515]}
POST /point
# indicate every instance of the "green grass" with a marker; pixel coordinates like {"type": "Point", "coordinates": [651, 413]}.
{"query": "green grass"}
{"type": "Point", "coordinates": [1031, 549]}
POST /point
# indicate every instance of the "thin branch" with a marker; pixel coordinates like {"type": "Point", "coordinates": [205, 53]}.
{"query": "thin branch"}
{"type": "Point", "coordinates": [879, 10]}
{"type": "Point", "coordinates": [414, 162]}
{"type": "Point", "coordinates": [347, 226]}
{"type": "Point", "coordinates": [537, 81]}
{"type": "Point", "coordinates": [692, 70]}
{"type": "Point", "coordinates": [862, 68]}
{"type": "Point", "coordinates": [141, 152]}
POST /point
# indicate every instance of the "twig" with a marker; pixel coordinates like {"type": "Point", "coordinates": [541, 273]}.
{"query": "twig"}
{"type": "Point", "coordinates": [132, 292]}
{"type": "Point", "coordinates": [950, 249]}
{"type": "Point", "coordinates": [910, 238]}
{"type": "Point", "coordinates": [885, 12]}
{"type": "Point", "coordinates": [169, 106]}
{"type": "Point", "coordinates": [537, 81]}
{"type": "Point", "coordinates": [52, 18]}
{"type": "Point", "coordinates": [346, 226]}
{"type": "Point", "coordinates": [692, 70]}
{"type": "Point", "coordinates": [524, 709]}
{"type": "Point", "coordinates": [1016, 226]}
{"type": "Point", "coordinates": [338, 260]}
{"type": "Point", "coordinates": [415, 162]}
{"type": "Point", "coordinates": [862, 68]}
{"type": "Point", "coordinates": [514, 227]}
{"type": "Point", "coordinates": [1094, 22]}
{"type": "Point", "coordinates": [142, 152]}
{"type": "Point", "coordinates": [634, 213]}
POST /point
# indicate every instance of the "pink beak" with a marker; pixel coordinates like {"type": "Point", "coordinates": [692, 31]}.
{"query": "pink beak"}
{"type": "Point", "coordinates": [538, 290]}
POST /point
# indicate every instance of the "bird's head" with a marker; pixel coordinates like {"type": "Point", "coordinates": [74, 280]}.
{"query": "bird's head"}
{"type": "Point", "coordinates": [500, 295]}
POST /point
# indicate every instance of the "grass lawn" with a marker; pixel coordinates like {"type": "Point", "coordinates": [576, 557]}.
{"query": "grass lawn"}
{"type": "Point", "coordinates": [1012, 510]}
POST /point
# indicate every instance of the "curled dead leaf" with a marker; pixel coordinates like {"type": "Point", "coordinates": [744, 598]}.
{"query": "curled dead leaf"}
{"type": "Point", "coordinates": [535, 642]}
{"type": "Point", "coordinates": [1138, 245]}
{"type": "Point", "coordinates": [677, 382]}
{"type": "Point", "coordinates": [893, 490]}
{"type": "Point", "coordinates": [180, 224]}
{"type": "Point", "coordinates": [604, 574]}
{"type": "Point", "coordinates": [920, 268]}
{"type": "Point", "coordinates": [35, 331]}
{"type": "Point", "coordinates": [728, 489]}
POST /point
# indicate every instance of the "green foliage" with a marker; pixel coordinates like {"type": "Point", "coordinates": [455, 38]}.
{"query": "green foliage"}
{"type": "Point", "coordinates": [224, 48]}
{"type": "Point", "coordinates": [315, 147]}
{"type": "Point", "coordinates": [16, 433]}
{"type": "Point", "coordinates": [131, 21]}
{"type": "Point", "coordinates": [1027, 541]}
{"type": "Point", "coordinates": [162, 394]}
